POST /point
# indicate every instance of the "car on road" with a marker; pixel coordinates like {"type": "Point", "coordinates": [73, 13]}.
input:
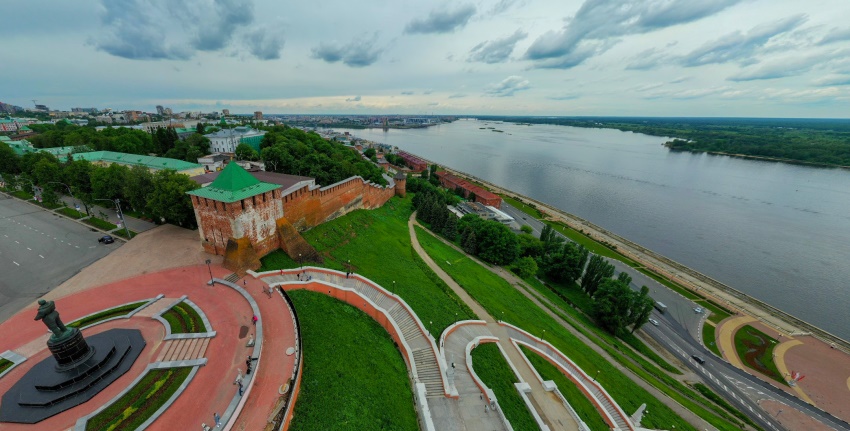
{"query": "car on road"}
{"type": "Point", "coordinates": [698, 310]}
{"type": "Point", "coordinates": [654, 322]}
{"type": "Point", "coordinates": [106, 239]}
{"type": "Point", "coordinates": [698, 359]}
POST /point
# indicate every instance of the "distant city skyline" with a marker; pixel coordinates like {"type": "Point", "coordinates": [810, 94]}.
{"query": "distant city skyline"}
{"type": "Point", "coordinates": [747, 58]}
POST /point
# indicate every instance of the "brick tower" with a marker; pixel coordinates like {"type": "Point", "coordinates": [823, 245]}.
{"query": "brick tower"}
{"type": "Point", "coordinates": [400, 184]}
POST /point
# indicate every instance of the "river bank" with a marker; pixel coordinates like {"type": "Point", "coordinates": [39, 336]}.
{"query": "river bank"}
{"type": "Point", "coordinates": [698, 283]}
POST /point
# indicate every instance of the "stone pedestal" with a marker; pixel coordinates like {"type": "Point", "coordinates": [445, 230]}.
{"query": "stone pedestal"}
{"type": "Point", "coordinates": [72, 350]}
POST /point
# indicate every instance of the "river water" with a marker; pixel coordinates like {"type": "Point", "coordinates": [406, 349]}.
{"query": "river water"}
{"type": "Point", "coordinates": [778, 232]}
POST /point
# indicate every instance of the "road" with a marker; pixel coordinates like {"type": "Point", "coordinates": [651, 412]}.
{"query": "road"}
{"type": "Point", "coordinates": [133, 223]}
{"type": "Point", "coordinates": [38, 251]}
{"type": "Point", "coordinates": [679, 332]}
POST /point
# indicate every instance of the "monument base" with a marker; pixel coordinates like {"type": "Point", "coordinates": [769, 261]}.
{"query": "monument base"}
{"type": "Point", "coordinates": [50, 388]}
{"type": "Point", "coordinates": [71, 351]}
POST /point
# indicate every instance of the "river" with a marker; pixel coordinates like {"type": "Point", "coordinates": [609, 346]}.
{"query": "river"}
{"type": "Point", "coordinates": [778, 232]}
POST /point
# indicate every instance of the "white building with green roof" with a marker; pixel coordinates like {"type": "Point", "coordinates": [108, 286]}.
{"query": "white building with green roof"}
{"type": "Point", "coordinates": [106, 158]}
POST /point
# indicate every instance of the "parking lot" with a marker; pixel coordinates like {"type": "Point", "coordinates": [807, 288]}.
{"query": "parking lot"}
{"type": "Point", "coordinates": [38, 251]}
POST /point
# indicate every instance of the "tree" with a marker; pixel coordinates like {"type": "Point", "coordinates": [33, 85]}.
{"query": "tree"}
{"type": "Point", "coordinates": [613, 306]}
{"type": "Point", "coordinates": [529, 245]}
{"type": "Point", "coordinates": [369, 153]}
{"type": "Point", "coordinates": [200, 129]}
{"type": "Point", "coordinates": [246, 152]}
{"type": "Point", "coordinates": [551, 239]}
{"type": "Point", "coordinates": [450, 228]}
{"type": "Point", "coordinates": [642, 308]}
{"type": "Point", "coordinates": [138, 183]}
{"type": "Point", "coordinates": [168, 198]}
{"type": "Point", "coordinates": [8, 160]}
{"type": "Point", "coordinates": [597, 271]}
{"type": "Point", "coordinates": [470, 242]}
{"type": "Point", "coordinates": [566, 263]}
{"type": "Point", "coordinates": [526, 229]}
{"type": "Point", "coordinates": [108, 182]}
{"type": "Point", "coordinates": [524, 267]}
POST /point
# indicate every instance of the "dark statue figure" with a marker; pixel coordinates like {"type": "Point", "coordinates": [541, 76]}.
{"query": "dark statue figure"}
{"type": "Point", "coordinates": [48, 314]}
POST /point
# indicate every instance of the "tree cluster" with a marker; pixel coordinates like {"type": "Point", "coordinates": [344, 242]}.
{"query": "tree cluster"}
{"type": "Point", "coordinates": [617, 307]}
{"type": "Point", "coordinates": [161, 194]}
{"type": "Point", "coordinates": [490, 240]}
{"type": "Point", "coordinates": [295, 152]}
{"type": "Point", "coordinates": [431, 208]}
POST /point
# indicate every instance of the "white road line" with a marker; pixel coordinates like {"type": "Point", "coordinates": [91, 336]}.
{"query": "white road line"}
{"type": "Point", "coordinates": [75, 246]}
{"type": "Point", "coordinates": [16, 263]}
{"type": "Point", "coordinates": [29, 249]}
{"type": "Point", "coordinates": [16, 242]}
{"type": "Point", "coordinates": [41, 256]}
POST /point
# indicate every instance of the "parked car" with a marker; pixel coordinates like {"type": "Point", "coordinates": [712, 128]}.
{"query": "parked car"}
{"type": "Point", "coordinates": [698, 310]}
{"type": "Point", "coordinates": [654, 322]}
{"type": "Point", "coordinates": [106, 239]}
{"type": "Point", "coordinates": [698, 359]}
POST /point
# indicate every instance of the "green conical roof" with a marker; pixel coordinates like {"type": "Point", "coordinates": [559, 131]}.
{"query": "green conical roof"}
{"type": "Point", "coordinates": [233, 184]}
{"type": "Point", "coordinates": [233, 177]}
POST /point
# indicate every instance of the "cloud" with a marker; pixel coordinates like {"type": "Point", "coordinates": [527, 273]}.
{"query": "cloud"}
{"type": "Point", "coordinates": [457, 96]}
{"type": "Point", "coordinates": [360, 52]}
{"type": "Point", "coordinates": [693, 93]}
{"type": "Point", "coordinates": [835, 35]}
{"type": "Point", "coordinates": [163, 30]}
{"type": "Point", "coordinates": [407, 93]}
{"type": "Point", "coordinates": [564, 97]}
{"type": "Point", "coordinates": [508, 86]}
{"type": "Point", "coordinates": [789, 66]}
{"type": "Point", "coordinates": [264, 43]}
{"type": "Point", "coordinates": [598, 23]}
{"type": "Point", "coordinates": [503, 6]}
{"type": "Point", "coordinates": [442, 21]}
{"type": "Point", "coordinates": [496, 51]}
{"type": "Point", "coordinates": [646, 60]}
{"type": "Point", "coordinates": [680, 79]}
{"type": "Point", "coordinates": [831, 80]}
{"type": "Point", "coordinates": [428, 91]}
{"type": "Point", "coordinates": [740, 47]}
{"type": "Point", "coordinates": [353, 99]}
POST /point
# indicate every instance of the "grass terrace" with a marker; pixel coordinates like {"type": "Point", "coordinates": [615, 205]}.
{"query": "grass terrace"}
{"type": "Point", "coordinates": [106, 314]}
{"type": "Point", "coordinates": [377, 243]}
{"type": "Point", "coordinates": [505, 302]}
{"type": "Point", "coordinates": [354, 376]}
{"type": "Point", "coordinates": [755, 348]}
{"type": "Point", "coordinates": [490, 365]}
{"type": "Point", "coordinates": [183, 319]}
{"type": "Point", "coordinates": [123, 234]}
{"type": "Point", "coordinates": [5, 364]}
{"type": "Point", "coordinates": [141, 402]}
{"type": "Point", "coordinates": [100, 224]}
{"type": "Point", "coordinates": [709, 339]}
{"type": "Point", "coordinates": [70, 212]}
{"type": "Point", "coordinates": [575, 397]}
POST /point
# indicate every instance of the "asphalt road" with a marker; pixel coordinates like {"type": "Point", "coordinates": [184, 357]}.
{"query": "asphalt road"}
{"type": "Point", "coordinates": [679, 332]}
{"type": "Point", "coordinates": [38, 251]}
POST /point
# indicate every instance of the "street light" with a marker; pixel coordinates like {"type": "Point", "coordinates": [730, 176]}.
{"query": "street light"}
{"type": "Point", "coordinates": [208, 262]}
{"type": "Point", "coordinates": [69, 192]}
{"type": "Point", "coordinates": [117, 203]}
{"type": "Point", "coordinates": [597, 375]}
{"type": "Point", "coordinates": [393, 287]}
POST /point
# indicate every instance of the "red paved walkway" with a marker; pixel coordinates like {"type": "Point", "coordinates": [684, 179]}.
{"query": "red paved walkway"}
{"type": "Point", "coordinates": [212, 388]}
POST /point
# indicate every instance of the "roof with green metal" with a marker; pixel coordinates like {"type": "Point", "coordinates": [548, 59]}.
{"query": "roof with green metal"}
{"type": "Point", "coordinates": [149, 162]}
{"type": "Point", "coordinates": [233, 184]}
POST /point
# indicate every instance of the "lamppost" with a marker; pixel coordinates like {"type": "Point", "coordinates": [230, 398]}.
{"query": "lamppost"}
{"type": "Point", "coordinates": [69, 192]}
{"type": "Point", "coordinates": [300, 262]}
{"type": "Point", "coordinates": [117, 203]}
{"type": "Point", "coordinates": [597, 375]}
{"type": "Point", "coordinates": [208, 262]}
{"type": "Point", "coordinates": [542, 335]}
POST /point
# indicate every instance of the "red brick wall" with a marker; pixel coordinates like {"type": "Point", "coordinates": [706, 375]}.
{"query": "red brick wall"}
{"type": "Point", "coordinates": [253, 217]}
{"type": "Point", "coordinates": [305, 209]}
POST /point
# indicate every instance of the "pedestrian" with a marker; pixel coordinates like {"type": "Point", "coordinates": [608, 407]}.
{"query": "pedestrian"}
{"type": "Point", "coordinates": [240, 389]}
{"type": "Point", "coordinates": [244, 282]}
{"type": "Point", "coordinates": [217, 418]}
{"type": "Point", "coordinates": [281, 272]}
{"type": "Point", "coordinates": [254, 320]}
{"type": "Point", "coordinates": [486, 408]}
{"type": "Point", "coordinates": [238, 376]}
{"type": "Point", "coordinates": [269, 292]}
{"type": "Point", "coordinates": [299, 276]}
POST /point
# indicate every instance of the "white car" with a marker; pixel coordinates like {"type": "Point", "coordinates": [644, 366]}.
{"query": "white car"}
{"type": "Point", "coordinates": [654, 322]}
{"type": "Point", "coordinates": [698, 310]}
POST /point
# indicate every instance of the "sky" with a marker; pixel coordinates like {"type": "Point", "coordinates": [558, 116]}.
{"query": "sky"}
{"type": "Point", "coordinates": [744, 58]}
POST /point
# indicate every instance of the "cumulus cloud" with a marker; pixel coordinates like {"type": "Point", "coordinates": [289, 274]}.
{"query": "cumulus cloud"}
{"type": "Point", "coordinates": [360, 52]}
{"type": "Point", "coordinates": [777, 69]}
{"type": "Point", "coordinates": [442, 20]}
{"type": "Point", "coordinates": [598, 23]}
{"type": "Point", "coordinates": [264, 43]}
{"type": "Point", "coordinates": [740, 47]}
{"type": "Point", "coordinates": [160, 29]}
{"type": "Point", "coordinates": [831, 80]}
{"type": "Point", "coordinates": [353, 99]}
{"type": "Point", "coordinates": [835, 35]}
{"type": "Point", "coordinates": [496, 51]}
{"type": "Point", "coordinates": [508, 86]}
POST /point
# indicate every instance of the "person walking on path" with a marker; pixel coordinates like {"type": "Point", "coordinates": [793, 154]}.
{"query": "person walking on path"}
{"type": "Point", "coordinates": [240, 388]}
{"type": "Point", "coordinates": [254, 320]}
{"type": "Point", "coordinates": [217, 418]}
{"type": "Point", "coordinates": [238, 377]}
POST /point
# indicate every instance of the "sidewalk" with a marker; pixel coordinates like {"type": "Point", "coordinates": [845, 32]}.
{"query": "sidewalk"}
{"type": "Point", "coordinates": [135, 225]}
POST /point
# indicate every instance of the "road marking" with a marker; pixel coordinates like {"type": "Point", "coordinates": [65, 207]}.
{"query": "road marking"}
{"type": "Point", "coordinates": [75, 246]}
{"type": "Point", "coordinates": [16, 263]}
{"type": "Point", "coordinates": [41, 256]}
{"type": "Point", "coordinates": [16, 242]}
{"type": "Point", "coordinates": [29, 249]}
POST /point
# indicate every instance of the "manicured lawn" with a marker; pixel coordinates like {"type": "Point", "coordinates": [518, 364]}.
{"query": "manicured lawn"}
{"type": "Point", "coordinates": [141, 402]}
{"type": "Point", "coordinates": [22, 195]}
{"type": "Point", "coordinates": [718, 313]}
{"type": "Point", "coordinates": [493, 369]}
{"type": "Point", "coordinates": [503, 301]}
{"type": "Point", "coordinates": [106, 314]}
{"type": "Point", "coordinates": [755, 348]}
{"type": "Point", "coordinates": [70, 212]}
{"type": "Point", "coordinates": [708, 339]}
{"type": "Point", "coordinates": [277, 259]}
{"type": "Point", "coordinates": [5, 364]}
{"type": "Point", "coordinates": [378, 244]}
{"type": "Point", "coordinates": [529, 209]}
{"type": "Point", "coordinates": [354, 377]}
{"type": "Point", "coordinates": [575, 397]}
{"type": "Point", "coordinates": [123, 234]}
{"type": "Point", "coordinates": [100, 224]}
{"type": "Point", "coordinates": [183, 319]}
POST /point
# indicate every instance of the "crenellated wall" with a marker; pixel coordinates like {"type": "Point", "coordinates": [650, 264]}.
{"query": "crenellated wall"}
{"type": "Point", "coordinates": [254, 217]}
{"type": "Point", "coordinates": [306, 208]}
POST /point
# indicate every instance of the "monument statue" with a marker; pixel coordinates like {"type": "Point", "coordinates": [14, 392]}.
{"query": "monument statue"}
{"type": "Point", "coordinates": [48, 314]}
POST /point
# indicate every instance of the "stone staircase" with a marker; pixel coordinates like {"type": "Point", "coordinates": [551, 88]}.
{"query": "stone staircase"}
{"type": "Point", "coordinates": [620, 420]}
{"type": "Point", "coordinates": [424, 355]}
{"type": "Point", "coordinates": [183, 349]}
